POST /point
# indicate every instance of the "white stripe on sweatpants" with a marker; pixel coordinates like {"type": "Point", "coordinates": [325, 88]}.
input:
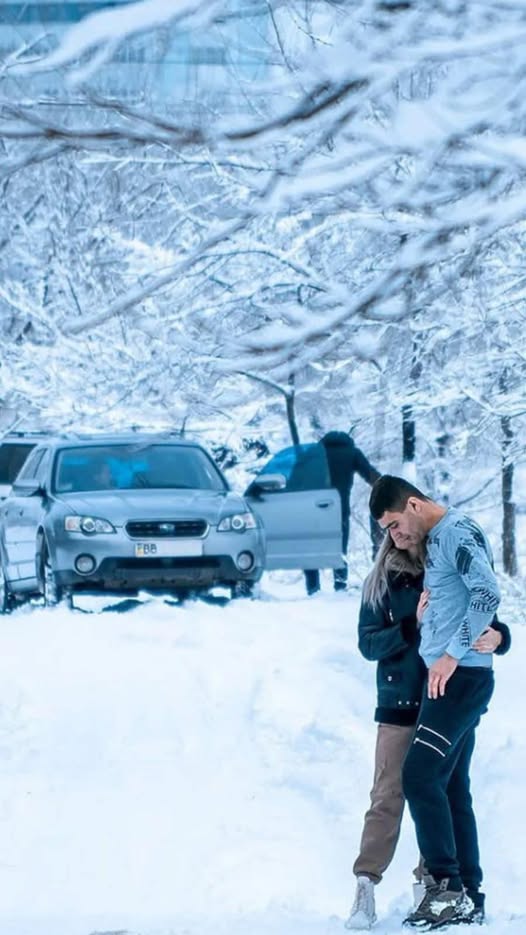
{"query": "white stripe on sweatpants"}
{"type": "Point", "coordinates": [426, 744]}
{"type": "Point", "coordinates": [431, 731]}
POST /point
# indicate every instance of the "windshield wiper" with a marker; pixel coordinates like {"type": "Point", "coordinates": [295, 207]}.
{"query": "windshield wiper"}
{"type": "Point", "coordinates": [143, 482]}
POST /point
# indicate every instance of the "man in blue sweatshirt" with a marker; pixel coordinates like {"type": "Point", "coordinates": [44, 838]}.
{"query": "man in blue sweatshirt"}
{"type": "Point", "coordinates": [460, 599]}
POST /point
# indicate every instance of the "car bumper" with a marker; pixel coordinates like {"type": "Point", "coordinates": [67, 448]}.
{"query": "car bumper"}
{"type": "Point", "coordinates": [118, 568]}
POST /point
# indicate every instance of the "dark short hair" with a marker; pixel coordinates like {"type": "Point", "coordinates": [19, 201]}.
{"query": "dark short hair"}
{"type": "Point", "coordinates": [390, 494]}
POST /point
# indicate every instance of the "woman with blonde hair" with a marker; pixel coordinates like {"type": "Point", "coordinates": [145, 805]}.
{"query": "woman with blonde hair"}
{"type": "Point", "coordinates": [388, 633]}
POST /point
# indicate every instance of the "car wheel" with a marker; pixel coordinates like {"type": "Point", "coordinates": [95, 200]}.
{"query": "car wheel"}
{"type": "Point", "coordinates": [6, 599]}
{"type": "Point", "coordinates": [242, 589]}
{"type": "Point", "coordinates": [182, 594]}
{"type": "Point", "coordinates": [51, 590]}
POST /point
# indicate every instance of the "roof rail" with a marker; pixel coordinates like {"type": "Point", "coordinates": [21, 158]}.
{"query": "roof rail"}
{"type": "Point", "coordinates": [16, 433]}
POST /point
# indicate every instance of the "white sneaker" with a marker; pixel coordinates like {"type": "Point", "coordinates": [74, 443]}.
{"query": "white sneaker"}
{"type": "Point", "coordinates": [363, 914]}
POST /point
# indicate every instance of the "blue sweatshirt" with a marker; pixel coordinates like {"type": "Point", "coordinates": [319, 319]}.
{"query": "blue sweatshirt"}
{"type": "Point", "coordinates": [464, 594]}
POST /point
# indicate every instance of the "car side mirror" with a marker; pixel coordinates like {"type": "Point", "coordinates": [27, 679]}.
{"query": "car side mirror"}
{"type": "Point", "coordinates": [270, 483]}
{"type": "Point", "coordinates": [29, 488]}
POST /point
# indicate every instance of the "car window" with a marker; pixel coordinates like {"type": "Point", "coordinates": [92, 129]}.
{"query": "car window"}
{"type": "Point", "coordinates": [304, 467]}
{"type": "Point", "coordinates": [12, 457]}
{"type": "Point", "coordinates": [42, 468]}
{"type": "Point", "coordinates": [30, 467]}
{"type": "Point", "coordinates": [135, 467]}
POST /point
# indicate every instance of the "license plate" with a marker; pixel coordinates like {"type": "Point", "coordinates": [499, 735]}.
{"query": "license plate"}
{"type": "Point", "coordinates": [169, 548]}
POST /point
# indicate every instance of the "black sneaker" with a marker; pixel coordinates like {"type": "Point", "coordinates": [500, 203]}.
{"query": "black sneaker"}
{"type": "Point", "coordinates": [440, 906]}
{"type": "Point", "coordinates": [477, 916]}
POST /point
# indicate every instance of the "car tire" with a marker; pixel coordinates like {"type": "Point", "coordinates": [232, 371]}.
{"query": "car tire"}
{"type": "Point", "coordinates": [6, 598]}
{"type": "Point", "coordinates": [52, 592]}
{"type": "Point", "coordinates": [243, 589]}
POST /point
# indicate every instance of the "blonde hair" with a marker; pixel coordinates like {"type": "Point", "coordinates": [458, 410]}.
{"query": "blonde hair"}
{"type": "Point", "coordinates": [389, 560]}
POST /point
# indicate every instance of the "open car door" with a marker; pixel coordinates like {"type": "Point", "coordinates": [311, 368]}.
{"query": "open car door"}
{"type": "Point", "coordinates": [299, 510]}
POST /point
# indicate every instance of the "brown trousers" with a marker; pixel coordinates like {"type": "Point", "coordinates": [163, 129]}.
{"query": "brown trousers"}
{"type": "Point", "coordinates": [382, 822]}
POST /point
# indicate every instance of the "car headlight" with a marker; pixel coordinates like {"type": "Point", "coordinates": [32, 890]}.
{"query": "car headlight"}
{"type": "Point", "coordinates": [90, 525]}
{"type": "Point", "coordinates": [238, 522]}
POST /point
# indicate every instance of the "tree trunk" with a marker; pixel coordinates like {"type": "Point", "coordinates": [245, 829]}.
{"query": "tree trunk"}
{"type": "Point", "coordinates": [444, 476]}
{"type": "Point", "coordinates": [291, 413]}
{"type": "Point", "coordinates": [509, 546]}
{"type": "Point", "coordinates": [408, 416]}
{"type": "Point", "coordinates": [408, 444]}
{"type": "Point", "coordinates": [408, 435]}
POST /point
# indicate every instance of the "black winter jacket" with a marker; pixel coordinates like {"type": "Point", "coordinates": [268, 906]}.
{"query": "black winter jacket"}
{"type": "Point", "coordinates": [344, 460]}
{"type": "Point", "coordinates": [389, 635]}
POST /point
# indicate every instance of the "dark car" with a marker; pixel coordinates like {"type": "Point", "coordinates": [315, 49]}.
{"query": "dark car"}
{"type": "Point", "coordinates": [14, 450]}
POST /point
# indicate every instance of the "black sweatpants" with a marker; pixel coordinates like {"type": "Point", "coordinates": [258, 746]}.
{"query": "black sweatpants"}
{"type": "Point", "coordinates": [436, 777]}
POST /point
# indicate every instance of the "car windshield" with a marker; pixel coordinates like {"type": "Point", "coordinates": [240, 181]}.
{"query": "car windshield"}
{"type": "Point", "coordinates": [135, 467]}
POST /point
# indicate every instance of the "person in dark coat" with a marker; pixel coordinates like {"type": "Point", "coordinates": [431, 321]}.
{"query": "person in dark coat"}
{"type": "Point", "coordinates": [344, 460]}
{"type": "Point", "coordinates": [389, 634]}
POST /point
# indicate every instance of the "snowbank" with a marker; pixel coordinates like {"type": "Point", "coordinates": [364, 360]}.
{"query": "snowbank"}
{"type": "Point", "coordinates": [205, 769]}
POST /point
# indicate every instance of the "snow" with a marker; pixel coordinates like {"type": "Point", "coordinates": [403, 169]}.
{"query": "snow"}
{"type": "Point", "coordinates": [205, 769]}
{"type": "Point", "coordinates": [342, 219]}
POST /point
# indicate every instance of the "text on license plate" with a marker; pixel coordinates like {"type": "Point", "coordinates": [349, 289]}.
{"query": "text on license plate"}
{"type": "Point", "coordinates": [168, 548]}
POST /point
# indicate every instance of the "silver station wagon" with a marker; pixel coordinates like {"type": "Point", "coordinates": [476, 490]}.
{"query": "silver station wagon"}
{"type": "Point", "coordinates": [127, 513]}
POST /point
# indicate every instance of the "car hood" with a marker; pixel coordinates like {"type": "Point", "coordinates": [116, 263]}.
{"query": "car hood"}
{"type": "Point", "coordinates": [119, 506]}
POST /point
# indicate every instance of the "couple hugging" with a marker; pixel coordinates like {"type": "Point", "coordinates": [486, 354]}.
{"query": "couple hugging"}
{"type": "Point", "coordinates": [428, 617]}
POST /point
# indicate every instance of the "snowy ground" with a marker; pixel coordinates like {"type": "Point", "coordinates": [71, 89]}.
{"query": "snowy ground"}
{"type": "Point", "coordinates": [204, 770]}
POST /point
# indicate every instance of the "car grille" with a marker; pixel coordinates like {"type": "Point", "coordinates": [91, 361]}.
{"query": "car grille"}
{"type": "Point", "coordinates": [186, 571]}
{"type": "Point", "coordinates": [167, 529]}
{"type": "Point", "coordinates": [149, 564]}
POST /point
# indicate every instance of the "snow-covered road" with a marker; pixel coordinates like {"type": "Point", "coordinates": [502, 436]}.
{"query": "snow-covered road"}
{"type": "Point", "coordinates": [205, 769]}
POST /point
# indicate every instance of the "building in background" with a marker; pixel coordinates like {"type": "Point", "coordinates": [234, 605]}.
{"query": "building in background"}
{"type": "Point", "coordinates": [219, 68]}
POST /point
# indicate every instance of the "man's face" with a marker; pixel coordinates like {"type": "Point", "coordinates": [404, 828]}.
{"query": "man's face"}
{"type": "Point", "coordinates": [406, 528]}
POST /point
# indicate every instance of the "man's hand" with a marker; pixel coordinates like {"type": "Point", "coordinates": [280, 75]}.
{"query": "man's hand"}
{"type": "Point", "coordinates": [488, 642]}
{"type": "Point", "coordinates": [439, 675]}
{"type": "Point", "coordinates": [422, 605]}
